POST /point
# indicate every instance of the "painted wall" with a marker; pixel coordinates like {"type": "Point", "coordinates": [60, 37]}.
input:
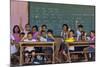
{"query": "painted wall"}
{"type": "Point", "coordinates": [82, 2]}
{"type": "Point", "coordinates": [18, 9]}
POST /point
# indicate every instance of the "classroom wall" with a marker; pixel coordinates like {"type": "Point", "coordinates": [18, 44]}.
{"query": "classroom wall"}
{"type": "Point", "coordinates": [18, 10]}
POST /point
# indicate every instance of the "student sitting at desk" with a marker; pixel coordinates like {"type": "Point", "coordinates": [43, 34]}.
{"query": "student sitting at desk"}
{"type": "Point", "coordinates": [50, 37]}
{"type": "Point", "coordinates": [47, 36]}
{"type": "Point", "coordinates": [43, 28]}
{"type": "Point", "coordinates": [70, 39]}
{"type": "Point", "coordinates": [79, 32]}
{"type": "Point", "coordinates": [35, 32]}
{"type": "Point", "coordinates": [29, 50]}
{"type": "Point", "coordinates": [83, 36]}
{"type": "Point", "coordinates": [91, 47]}
{"type": "Point", "coordinates": [43, 36]}
{"type": "Point", "coordinates": [80, 35]}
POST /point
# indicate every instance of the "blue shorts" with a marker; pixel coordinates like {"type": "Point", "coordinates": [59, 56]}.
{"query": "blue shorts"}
{"type": "Point", "coordinates": [91, 49]}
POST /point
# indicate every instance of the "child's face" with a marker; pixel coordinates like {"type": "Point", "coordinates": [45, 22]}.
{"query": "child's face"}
{"type": "Point", "coordinates": [16, 29]}
{"type": "Point", "coordinates": [33, 29]}
{"type": "Point", "coordinates": [44, 28]}
{"type": "Point", "coordinates": [64, 28]}
{"type": "Point", "coordinates": [43, 34]}
{"type": "Point", "coordinates": [80, 29]}
{"type": "Point", "coordinates": [49, 34]}
{"type": "Point", "coordinates": [29, 36]}
{"type": "Point", "coordinates": [27, 27]}
{"type": "Point", "coordinates": [71, 34]}
{"type": "Point", "coordinates": [21, 36]}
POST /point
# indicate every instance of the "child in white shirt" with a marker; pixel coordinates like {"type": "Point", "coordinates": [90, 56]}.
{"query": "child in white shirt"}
{"type": "Point", "coordinates": [29, 51]}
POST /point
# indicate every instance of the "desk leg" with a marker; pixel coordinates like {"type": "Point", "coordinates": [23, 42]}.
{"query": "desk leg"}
{"type": "Point", "coordinates": [53, 55]}
{"type": "Point", "coordinates": [69, 58]}
{"type": "Point", "coordinates": [21, 49]}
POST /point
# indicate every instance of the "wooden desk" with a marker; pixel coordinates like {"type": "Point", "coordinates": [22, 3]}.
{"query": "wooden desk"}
{"type": "Point", "coordinates": [36, 44]}
{"type": "Point", "coordinates": [78, 44]}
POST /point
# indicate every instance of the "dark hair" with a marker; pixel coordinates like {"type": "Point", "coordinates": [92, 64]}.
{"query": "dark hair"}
{"type": "Point", "coordinates": [80, 26]}
{"type": "Point", "coordinates": [15, 27]}
{"type": "Point", "coordinates": [22, 33]}
{"type": "Point", "coordinates": [30, 33]}
{"type": "Point", "coordinates": [49, 30]}
{"type": "Point", "coordinates": [93, 31]}
{"type": "Point", "coordinates": [26, 25]}
{"type": "Point", "coordinates": [35, 27]}
{"type": "Point", "coordinates": [72, 31]}
{"type": "Point", "coordinates": [42, 31]}
{"type": "Point", "coordinates": [44, 26]}
{"type": "Point", "coordinates": [65, 25]}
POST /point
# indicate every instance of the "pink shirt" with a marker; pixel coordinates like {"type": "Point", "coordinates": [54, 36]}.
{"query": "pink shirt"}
{"type": "Point", "coordinates": [16, 37]}
{"type": "Point", "coordinates": [92, 39]}
{"type": "Point", "coordinates": [35, 34]}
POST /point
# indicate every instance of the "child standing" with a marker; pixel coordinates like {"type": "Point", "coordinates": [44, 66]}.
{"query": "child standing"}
{"type": "Point", "coordinates": [65, 31]}
{"type": "Point", "coordinates": [64, 34]}
{"type": "Point", "coordinates": [13, 51]}
{"type": "Point", "coordinates": [64, 49]}
{"type": "Point", "coordinates": [16, 33]}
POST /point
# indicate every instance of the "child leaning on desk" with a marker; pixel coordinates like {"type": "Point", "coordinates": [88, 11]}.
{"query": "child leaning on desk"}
{"type": "Point", "coordinates": [29, 51]}
{"type": "Point", "coordinates": [47, 37]}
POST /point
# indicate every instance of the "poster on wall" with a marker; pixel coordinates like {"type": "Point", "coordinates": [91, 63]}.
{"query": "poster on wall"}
{"type": "Point", "coordinates": [51, 33]}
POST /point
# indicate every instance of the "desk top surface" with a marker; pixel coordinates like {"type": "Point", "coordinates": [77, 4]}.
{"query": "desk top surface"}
{"type": "Point", "coordinates": [36, 42]}
{"type": "Point", "coordinates": [51, 43]}
{"type": "Point", "coordinates": [81, 43]}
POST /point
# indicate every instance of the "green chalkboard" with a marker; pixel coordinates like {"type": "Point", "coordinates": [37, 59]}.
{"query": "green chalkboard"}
{"type": "Point", "coordinates": [55, 15]}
